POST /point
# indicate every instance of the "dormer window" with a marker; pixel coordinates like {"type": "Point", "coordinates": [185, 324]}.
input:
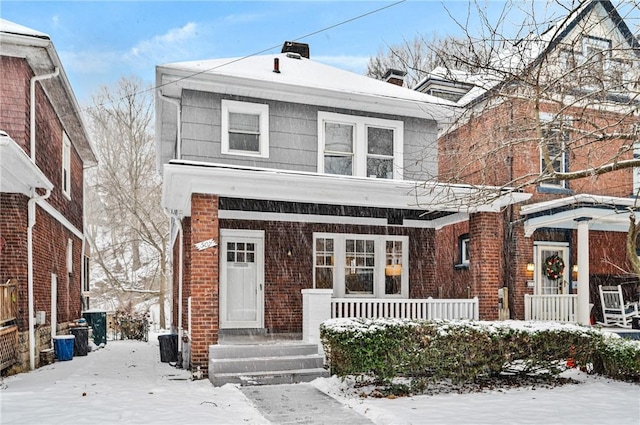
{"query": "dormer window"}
{"type": "Point", "coordinates": [245, 128]}
{"type": "Point", "coordinates": [359, 146]}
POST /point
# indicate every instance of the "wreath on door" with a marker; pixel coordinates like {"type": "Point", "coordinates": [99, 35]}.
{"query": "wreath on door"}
{"type": "Point", "coordinates": [554, 267]}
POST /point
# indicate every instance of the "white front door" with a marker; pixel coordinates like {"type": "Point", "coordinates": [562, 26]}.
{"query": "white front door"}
{"type": "Point", "coordinates": [241, 279]}
{"type": "Point", "coordinates": [545, 284]}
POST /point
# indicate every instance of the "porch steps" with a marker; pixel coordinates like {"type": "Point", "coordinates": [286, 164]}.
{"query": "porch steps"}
{"type": "Point", "coordinates": [265, 364]}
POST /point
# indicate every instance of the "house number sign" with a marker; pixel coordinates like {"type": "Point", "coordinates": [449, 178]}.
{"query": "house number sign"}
{"type": "Point", "coordinates": [209, 243]}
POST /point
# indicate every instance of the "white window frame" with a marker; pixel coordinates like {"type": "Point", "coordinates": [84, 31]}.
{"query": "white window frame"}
{"type": "Point", "coordinates": [260, 109]}
{"type": "Point", "coordinates": [339, 263]}
{"type": "Point", "coordinates": [360, 151]}
{"type": "Point", "coordinates": [464, 248]}
{"type": "Point", "coordinates": [66, 165]}
{"type": "Point", "coordinates": [70, 256]}
{"type": "Point", "coordinates": [636, 170]}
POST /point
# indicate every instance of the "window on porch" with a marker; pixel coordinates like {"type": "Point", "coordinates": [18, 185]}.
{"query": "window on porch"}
{"type": "Point", "coordinates": [371, 266]}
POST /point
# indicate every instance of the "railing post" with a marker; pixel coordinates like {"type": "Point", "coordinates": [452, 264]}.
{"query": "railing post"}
{"type": "Point", "coordinates": [316, 308]}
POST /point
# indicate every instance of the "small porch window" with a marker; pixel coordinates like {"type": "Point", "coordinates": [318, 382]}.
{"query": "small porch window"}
{"type": "Point", "coordinates": [66, 165]}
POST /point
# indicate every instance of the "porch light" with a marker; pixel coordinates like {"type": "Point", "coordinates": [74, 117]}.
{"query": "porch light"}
{"type": "Point", "coordinates": [575, 268]}
{"type": "Point", "coordinates": [531, 267]}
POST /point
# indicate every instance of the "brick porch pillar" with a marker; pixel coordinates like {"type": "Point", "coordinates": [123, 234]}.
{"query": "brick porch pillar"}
{"type": "Point", "coordinates": [486, 262]}
{"type": "Point", "coordinates": [204, 279]}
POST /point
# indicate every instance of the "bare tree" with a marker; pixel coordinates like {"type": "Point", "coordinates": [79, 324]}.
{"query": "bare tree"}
{"type": "Point", "coordinates": [127, 227]}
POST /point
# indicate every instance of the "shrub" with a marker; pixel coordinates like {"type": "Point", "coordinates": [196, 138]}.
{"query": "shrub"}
{"type": "Point", "coordinates": [465, 351]}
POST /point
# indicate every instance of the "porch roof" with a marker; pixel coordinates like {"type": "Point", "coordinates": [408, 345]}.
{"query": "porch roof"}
{"type": "Point", "coordinates": [453, 202]}
{"type": "Point", "coordinates": [18, 174]}
{"type": "Point", "coordinates": [605, 213]}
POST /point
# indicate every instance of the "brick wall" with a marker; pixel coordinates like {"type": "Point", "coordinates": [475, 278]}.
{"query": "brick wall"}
{"type": "Point", "coordinates": [451, 281]}
{"type": "Point", "coordinates": [485, 247]}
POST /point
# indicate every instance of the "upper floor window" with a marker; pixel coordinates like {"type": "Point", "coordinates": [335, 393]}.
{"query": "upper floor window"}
{"type": "Point", "coordinates": [555, 137]}
{"type": "Point", "coordinates": [66, 165]}
{"type": "Point", "coordinates": [245, 128]}
{"type": "Point", "coordinates": [359, 146]}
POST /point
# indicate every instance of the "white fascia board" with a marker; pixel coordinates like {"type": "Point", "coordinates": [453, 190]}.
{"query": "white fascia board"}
{"type": "Point", "coordinates": [173, 81]}
{"type": "Point", "coordinates": [599, 219]}
{"type": "Point", "coordinates": [570, 200]}
{"type": "Point", "coordinates": [184, 178]}
{"type": "Point", "coordinates": [18, 174]}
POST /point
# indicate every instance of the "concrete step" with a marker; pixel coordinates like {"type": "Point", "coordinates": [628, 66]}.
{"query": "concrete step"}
{"type": "Point", "coordinates": [258, 364]}
{"type": "Point", "coordinates": [261, 350]}
{"type": "Point", "coordinates": [269, 377]}
{"type": "Point", "coordinates": [262, 364]}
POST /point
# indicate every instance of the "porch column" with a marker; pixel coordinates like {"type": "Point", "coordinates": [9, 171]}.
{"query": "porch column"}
{"type": "Point", "coordinates": [583, 310]}
{"type": "Point", "coordinates": [316, 308]}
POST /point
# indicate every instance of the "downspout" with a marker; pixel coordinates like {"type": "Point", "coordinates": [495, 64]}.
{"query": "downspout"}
{"type": "Point", "coordinates": [31, 211]}
{"type": "Point", "coordinates": [32, 115]}
{"type": "Point", "coordinates": [177, 219]}
{"type": "Point", "coordinates": [175, 102]}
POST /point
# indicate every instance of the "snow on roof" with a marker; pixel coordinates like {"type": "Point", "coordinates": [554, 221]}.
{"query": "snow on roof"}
{"type": "Point", "coordinates": [303, 72]}
{"type": "Point", "coordinates": [9, 27]}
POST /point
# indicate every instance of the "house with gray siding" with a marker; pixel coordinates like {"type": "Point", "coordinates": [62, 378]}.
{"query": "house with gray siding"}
{"type": "Point", "coordinates": [284, 176]}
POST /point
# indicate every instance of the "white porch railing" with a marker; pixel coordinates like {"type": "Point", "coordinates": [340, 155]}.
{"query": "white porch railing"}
{"type": "Point", "coordinates": [427, 309]}
{"type": "Point", "coordinates": [558, 308]}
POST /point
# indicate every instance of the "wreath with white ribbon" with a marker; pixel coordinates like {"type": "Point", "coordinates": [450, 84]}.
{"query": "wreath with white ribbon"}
{"type": "Point", "coordinates": [554, 267]}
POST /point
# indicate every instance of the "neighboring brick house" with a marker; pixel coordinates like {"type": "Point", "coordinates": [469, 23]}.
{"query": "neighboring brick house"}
{"type": "Point", "coordinates": [283, 174]}
{"type": "Point", "coordinates": [497, 142]}
{"type": "Point", "coordinates": [44, 148]}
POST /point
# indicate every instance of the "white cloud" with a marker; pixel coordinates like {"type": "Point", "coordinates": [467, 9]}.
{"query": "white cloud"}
{"type": "Point", "coordinates": [161, 46]}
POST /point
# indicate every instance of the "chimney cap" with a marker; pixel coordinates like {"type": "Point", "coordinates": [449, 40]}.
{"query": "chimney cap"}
{"type": "Point", "coordinates": [394, 76]}
{"type": "Point", "coordinates": [292, 46]}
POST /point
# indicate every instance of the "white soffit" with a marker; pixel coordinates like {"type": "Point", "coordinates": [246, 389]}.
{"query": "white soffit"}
{"type": "Point", "coordinates": [17, 173]}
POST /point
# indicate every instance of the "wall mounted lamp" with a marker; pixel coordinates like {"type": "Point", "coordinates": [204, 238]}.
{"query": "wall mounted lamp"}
{"type": "Point", "coordinates": [531, 267]}
{"type": "Point", "coordinates": [289, 252]}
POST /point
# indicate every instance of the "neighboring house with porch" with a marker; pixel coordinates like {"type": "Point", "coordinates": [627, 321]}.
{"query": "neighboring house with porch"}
{"type": "Point", "coordinates": [44, 148]}
{"type": "Point", "coordinates": [284, 175]}
{"type": "Point", "coordinates": [570, 236]}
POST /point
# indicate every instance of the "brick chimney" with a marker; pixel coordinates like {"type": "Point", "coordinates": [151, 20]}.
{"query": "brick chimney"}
{"type": "Point", "coordinates": [394, 76]}
{"type": "Point", "coordinates": [300, 48]}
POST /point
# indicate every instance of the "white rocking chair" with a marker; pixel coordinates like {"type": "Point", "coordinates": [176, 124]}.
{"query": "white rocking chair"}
{"type": "Point", "coordinates": [615, 311]}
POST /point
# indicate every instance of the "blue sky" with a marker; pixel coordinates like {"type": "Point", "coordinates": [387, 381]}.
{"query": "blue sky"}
{"type": "Point", "coordinates": [101, 41]}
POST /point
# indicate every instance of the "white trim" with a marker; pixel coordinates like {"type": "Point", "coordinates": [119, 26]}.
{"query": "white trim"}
{"type": "Point", "coordinates": [360, 151]}
{"type": "Point", "coordinates": [60, 218]}
{"type": "Point", "coordinates": [259, 109]}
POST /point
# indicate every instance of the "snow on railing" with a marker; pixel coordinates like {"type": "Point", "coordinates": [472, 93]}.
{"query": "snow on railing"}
{"type": "Point", "coordinates": [552, 307]}
{"type": "Point", "coordinates": [371, 308]}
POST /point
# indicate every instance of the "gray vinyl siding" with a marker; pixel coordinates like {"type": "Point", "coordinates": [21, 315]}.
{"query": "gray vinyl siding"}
{"type": "Point", "coordinates": [293, 139]}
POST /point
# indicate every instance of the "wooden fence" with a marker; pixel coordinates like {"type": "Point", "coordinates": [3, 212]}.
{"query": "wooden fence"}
{"type": "Point", "coordinates": [427, 309]}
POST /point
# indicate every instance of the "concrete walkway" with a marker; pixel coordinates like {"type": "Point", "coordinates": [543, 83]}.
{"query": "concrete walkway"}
{"type": "Point", "coordinates": [300, 404]}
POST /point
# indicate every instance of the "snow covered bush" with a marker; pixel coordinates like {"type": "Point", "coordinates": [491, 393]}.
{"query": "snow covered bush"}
{"type": "Point", "coordinates": [465, 351]}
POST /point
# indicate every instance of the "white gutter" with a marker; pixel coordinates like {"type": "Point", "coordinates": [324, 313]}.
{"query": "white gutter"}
{"type": "Point", "coordinates": [32, 114]}
{"type": "Point", "coordinates": [31, 208]}
{"type": "Point", "coordinates": [178, 219]}
{"type": "Point", "coordinates": [175, 102]}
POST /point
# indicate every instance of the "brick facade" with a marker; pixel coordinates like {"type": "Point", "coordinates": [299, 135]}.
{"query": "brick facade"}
{"type": "Point", "coordinates": [50, 236]}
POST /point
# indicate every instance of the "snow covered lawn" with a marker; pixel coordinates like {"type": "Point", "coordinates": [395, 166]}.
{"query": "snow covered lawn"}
{"type": "Point", "coordinates": [126, 383]}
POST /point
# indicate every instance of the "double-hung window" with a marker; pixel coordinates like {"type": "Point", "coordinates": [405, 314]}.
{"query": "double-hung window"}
{"type": "Point", "coordinates": [372, 266]}
{"type": "Point", "coordinates": [245, 128]}
{"type": "Point", "coordinates": [66, 165]}
{"type": "Point", "coordinates": [360, 146]}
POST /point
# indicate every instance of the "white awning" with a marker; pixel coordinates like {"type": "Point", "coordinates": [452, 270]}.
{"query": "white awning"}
{"type": "Point", "coordinates": [184, 178]}
{"type": "Point", "coordinates": [17, 173]}
{"type": "Point", "coordinates": [605, 213]}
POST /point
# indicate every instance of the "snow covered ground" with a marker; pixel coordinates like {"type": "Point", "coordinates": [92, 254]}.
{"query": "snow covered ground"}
{"type": "Point", "coordinates": [125, 382]}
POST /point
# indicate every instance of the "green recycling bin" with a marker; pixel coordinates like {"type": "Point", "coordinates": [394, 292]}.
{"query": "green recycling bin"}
{"type": "Point", "coordinates": [97, 320]}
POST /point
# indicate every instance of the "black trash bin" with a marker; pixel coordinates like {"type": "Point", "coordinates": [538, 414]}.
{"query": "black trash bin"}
{"type": "Point", "coordinates": [81, 340]}
{"type": "Point", "coordinates": [168, 347]}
